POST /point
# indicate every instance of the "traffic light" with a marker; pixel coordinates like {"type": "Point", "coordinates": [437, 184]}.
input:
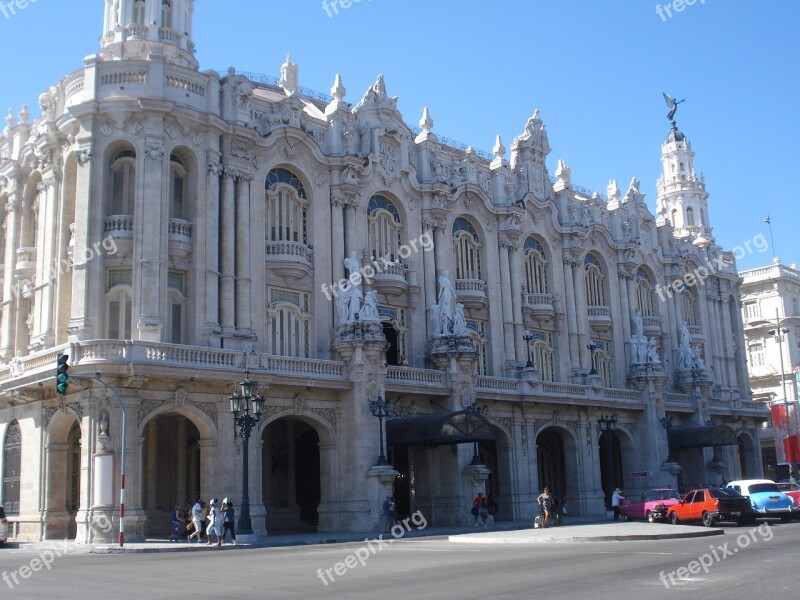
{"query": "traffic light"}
{"type": "Point", "coordinates": [61, 374]}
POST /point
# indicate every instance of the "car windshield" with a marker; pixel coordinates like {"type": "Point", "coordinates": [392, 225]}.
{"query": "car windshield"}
{"type": "Point", "coordinates": [761, 488]}
{"type": "Point", "coordinates": [662, 495]}
{"type": "Point", "coordinates": [724, 493]}
{"type": "Point", "coordinates": [788, 487]}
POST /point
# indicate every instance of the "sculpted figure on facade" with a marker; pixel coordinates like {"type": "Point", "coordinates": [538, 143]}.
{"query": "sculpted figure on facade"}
{"type": "Point", "coordinates": [351, 263]}
{"type": "Point", "coordinates": [369, 312]}
{"type": "Point", "coordinates": [460, 322]}
{"type": "Point", "coordinates": [652, 353]}
{"type": "Point", "coordinates": [447, 294]}
{"type": "Point", "coordinates": [354, 303]}
{"type": "Point", "coordinates": [684, 349]}
{"type": "Point", "coordinates": [639, 344]}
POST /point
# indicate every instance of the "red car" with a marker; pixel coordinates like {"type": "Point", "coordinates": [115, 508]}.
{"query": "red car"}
{"type": "Point", "coordinates": [792, 490]}
{"type": "Point", "coordinates": [710, 505]}
{"type": "Point", "coordinates": [653, 506]}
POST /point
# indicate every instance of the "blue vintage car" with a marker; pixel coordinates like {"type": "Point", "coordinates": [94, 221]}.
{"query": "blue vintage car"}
{"type": "Point", "coordinates": [765, 498]}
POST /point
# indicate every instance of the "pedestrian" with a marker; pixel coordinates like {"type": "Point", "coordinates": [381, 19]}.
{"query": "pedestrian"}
{"type": "Point", "coordinates": [484, 513]}
{"type": "Point", "coordinates": [616, 498]}
{"type": "Point", "coordinates": [228, 518]}
{"type": "Point", "coordinates": [386, 514]}
{"type": "Point", "coordinates": [492, 506]}
{"type": "Point", "coordinates": [213, 518]}
{"type": "Point", "coordinates": [545, 501]}
{"type": "Point", "coordinates": [177, 524]}
{"type": "Point", "coordinates": [476, 507]}
{"type": "Point", "coordinates": [197, 520]}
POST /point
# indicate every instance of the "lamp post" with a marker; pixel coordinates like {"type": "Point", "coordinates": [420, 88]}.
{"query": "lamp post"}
{"type": "Point", "coordinates": [380, 409]}
{"type": "Point", "coordinates": [666, 423]}
{"type": "Point", "coordinates": [607, 426]}
{"type": "Point", "coordinates": [528, 337]}
{"type": "Point", "coordinates": [240, 408]}
{"type": "Point", "coordinates": [591, 348]}
{"type": "Point", "coordinates": [475, 410]}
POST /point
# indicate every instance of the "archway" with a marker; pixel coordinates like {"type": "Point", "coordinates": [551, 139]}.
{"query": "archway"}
{"type": "Point", "coordinates": [747, 457]}
{"type": "Point", "coordinates": [393, 339]}
{"type": "Point", "coordinates": [291, 475]}
{"type": "Point", "coordinates": [611, 467]}
{"type": "Point", "coordinates": [63, 459]}
{"type": "Point", "coordinates": [557, 462]}
{"type": "Point", "coordinates": [170, 469]}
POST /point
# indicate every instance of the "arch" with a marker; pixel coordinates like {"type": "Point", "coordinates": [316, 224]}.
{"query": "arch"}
{"type": "Point", "coordinates": [326, 431]}
{"type": "Point", "coordinates": [644, 292]}
{"type": "Point", "coordinates": [183, 162]}
{"type": "Point", "coordinates": [467, 249]}
{"type": "Point", "coordinates": [557, 460]}
{"type": "Point", "coordinates": [63, 468]}
{"type": "Point", "coordinates": [12, 467]}
{"type": "Point", "coordinates": [385, 225]}
{"type": "Point", "coordinates": [203, 423]}
{"type": "Point", "coordinates": [497, 456]}
{"type": "Point", "coordinates": [121, 171]}
{"type": "Point", "coordinates": [289, 323]}
{"type": "Point", "coordinates": [287, 207]}
{"type": "Point", "coordinates": [537, 266]}
{"type": "Point", "coordinates": [287, 176]}
{"type": "Point", "coordinates": [595, 274]}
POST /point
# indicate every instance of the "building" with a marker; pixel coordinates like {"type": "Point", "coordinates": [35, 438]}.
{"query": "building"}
{"type": "Point", "coordinates": [553, 336]}
{"type": "Point", "coordinates": [771, 316]}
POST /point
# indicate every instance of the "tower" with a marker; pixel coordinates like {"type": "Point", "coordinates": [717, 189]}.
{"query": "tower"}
{"type": "Point", "coordinates": [136, 28]}
{"type": "Point", "coordinates": [682, 197]}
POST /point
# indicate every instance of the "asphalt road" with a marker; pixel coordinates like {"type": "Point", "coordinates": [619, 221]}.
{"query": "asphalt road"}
{"type": "Point", "coordinates": [746, 562]}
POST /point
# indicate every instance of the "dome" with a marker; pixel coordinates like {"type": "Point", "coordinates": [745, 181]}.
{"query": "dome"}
{"type": "Point", "coordinates": [675, 135]}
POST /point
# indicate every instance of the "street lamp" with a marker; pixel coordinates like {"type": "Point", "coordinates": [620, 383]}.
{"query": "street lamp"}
{"type": "Point", "coordinates": [528, 337]}
{"type": "Point", "coordinates": [240, 409]}
{"type": "Point", "coordinates": [666, 423]}
{"type": "Point", "coordinates": [607, 426]}
{"type": "Point", "coordinates": [380, 408]}
{"type": "Point", "coordinates": [475, 410]}
{"type": "Point", "coordinates": [591, 348]}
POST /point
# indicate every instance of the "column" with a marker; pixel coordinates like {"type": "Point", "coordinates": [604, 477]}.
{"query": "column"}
{"type": "Point", "coordinates": [152, 468]}
{"type": "Point", "coordinates": [211, 225]}
{"type": "Point", "coordinates": [182, 450]}
{"type": "Point", "coordinates": [337, 237]}
{"type": "Point", "coordinates": [627, 311]}
{"type": "Point", "coordinates": [572, 321]}
{"type": "Point", "coordinates": [429, 282]}
{"type": "Point", "coordinates": [439, 253]}
{"type": "Point", "coordinates": [582, 315]}
{"type": "Point", "coordinates": [505, 297]}
{"type": "Point", "coordinates": [227, 219]}
{"type": "Point", "coordinates": [242, 241]}
{"type": "Point", "coordinates": [46, 260]}
{"type": "Point", "coordinates": [350, 230]}
{"type": "Point", "coordinates": [10, 298]}
{"type": "Point", "coordinates": [726, 334]}
{"type": "Point", "coordinates": [516, 300]}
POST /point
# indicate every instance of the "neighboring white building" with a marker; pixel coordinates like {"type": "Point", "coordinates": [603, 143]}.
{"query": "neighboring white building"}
{"type": "Point", "coordinates": [168, 228]}
{"type": "Point", "coordinates": [771, 307]}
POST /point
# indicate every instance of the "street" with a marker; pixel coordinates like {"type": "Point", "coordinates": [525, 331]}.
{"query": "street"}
{"type": "Point", "coordinates": [743, 563]}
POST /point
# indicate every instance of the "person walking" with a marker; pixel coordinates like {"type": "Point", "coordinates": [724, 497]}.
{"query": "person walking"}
{"type": "Point", "coordinates": [177, 523]}
{"type": "Point", "coordinates": [616, 498]}
{"type": "Point", "coordinates": [213, 518]}
{"type": "Point", "coordinates": [545, 501]}
{"type": "Point", "coordinates": [477, 504]}
{"type": "Point", "coordinates": [388, 521]}
{"type": "Point", "coordinates": [197, 520]}
{"type": "Point", "coordinates": [228, 518]}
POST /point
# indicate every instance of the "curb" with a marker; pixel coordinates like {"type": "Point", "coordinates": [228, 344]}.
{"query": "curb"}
{"type": "Point", "coordinates": [633, 537]}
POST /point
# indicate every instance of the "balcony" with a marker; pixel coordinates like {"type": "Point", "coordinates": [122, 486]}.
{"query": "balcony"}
{"type": "Point", "coordinates": [471, 292]}
{"type": "Point", "coordinates": [26, 263]}
{"type": "Point", "coordinates": [696, 332]}
{"type": "Point", "coordinates": [392, 279]}
{"type": "Point", "coordinates": [652, 325]}
{"type": "Point", "coordinates": [537, 307]}
{"type": "Point", "coordinates": [600, 317]}
{"type": "Point", "coordinates": [180, 238]}
{"type": "Point", "coordinates": [119, 226]}
{"type": "Point", "coordinates": [293, 260]}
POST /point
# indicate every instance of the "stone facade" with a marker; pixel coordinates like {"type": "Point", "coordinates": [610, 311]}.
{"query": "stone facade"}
{"type": "Point", "coordinates": [135, 210]}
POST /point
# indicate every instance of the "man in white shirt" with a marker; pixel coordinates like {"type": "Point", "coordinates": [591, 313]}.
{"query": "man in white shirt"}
{"type": "Point", "coordinates": [197, 520]}
{"type": "Point", "coordinates": [616, 498]}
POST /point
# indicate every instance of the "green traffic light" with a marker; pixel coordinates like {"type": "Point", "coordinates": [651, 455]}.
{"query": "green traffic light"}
{"type": "Point", "coordinates": [61, 374]}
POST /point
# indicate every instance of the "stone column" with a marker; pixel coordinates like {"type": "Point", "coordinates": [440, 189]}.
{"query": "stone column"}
{"type": "Point", "coordinates": [180, 467]}
{"type": "Point", "coordinates": [337, 238]}
{"type": "Point", "coordinates": [211, 220]}
{"type": "Point", "coordinates": [10, 297]}
{"type": "Point", "coordinates": [582, 315]}
{"type": "Point", "coordinates": [727, 333]}
{"type": "Point", "coordinates": [572, 321]}
{"type": "Point", "coordinates": [516, 300]}
{"type": "Point", "coordinates": [46, 260]}
{"type": "Point", "coordinates": [227, 254]}
{"type": "Point", "coordinates": [350, 230]}
{"type": "Point", "coordinates": [242, 237]}
{"type": "Point", "coordinates": [505, 297]}
{"type": "Point", "coordinates": [152, 469]}
{"type": "Point", "coordinates": [627, 311]}
{"type": "Point", "coordinates": [439, 254]}
{"type": "Point", "coordinates": [86, 211]}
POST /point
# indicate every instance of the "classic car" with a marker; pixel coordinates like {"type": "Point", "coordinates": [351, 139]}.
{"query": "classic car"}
{"type": "Point", "coordinates": [711, 505]}
{"type": "Point", "coordinates": [765, 497]}
{"type": "Point", "coordinates": [792, 490]}
{"type": "Point", "coordinates": [652, 506]}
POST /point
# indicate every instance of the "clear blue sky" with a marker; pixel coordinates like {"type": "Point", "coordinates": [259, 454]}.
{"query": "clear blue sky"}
{"type": "Point", "coordinates": [595, 68]}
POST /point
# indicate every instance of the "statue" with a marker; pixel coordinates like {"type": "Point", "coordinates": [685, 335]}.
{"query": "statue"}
{"type": "Point", "coordinates": [354, 303]}
{"type": "Point", "coordinates": [351, 263]}
{"type": "Point", "coordinates": [684, 349]}
{"type": "Point", "coordinates": [103, 424]}
{"type": "Point", "coordinates": [460, 322]}
{"type": "Point", "coordinates": [369, 312]}
{"type": "Point", "coordinates": [697, 360]}
{"type": "Point", "coordinates": [672, 104]}
{"type": "Point", "coordinates": [652, 353]}
{"type": "Point", "coordinates": [638, 324]}
{"type": "Point", "coordinates": [343, 305]}
{"type": "Point", "coordinates": [447, 294]}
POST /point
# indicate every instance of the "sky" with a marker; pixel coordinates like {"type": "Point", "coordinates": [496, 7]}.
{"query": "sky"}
{"type": "Point", "coordinates": [596, 69]}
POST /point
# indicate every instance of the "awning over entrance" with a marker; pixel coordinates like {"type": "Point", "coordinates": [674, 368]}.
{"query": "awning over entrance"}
{"type": "Point", "coordinates": [700, 437]}
{"type": "Point", "coordinates": [436, 430]}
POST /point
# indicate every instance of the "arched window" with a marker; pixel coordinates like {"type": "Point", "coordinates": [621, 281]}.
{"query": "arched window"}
{"type": "Point", "coordinates": [119, 304]}
{"type": "Point", "coordinates": [477, 331]}
{"type": "Point", "coordinates": [12, 465]}
{"type": "Point", "coordinates": [644, 293]}
{"type": "Point", "coordinates": [690, 217]}
{"type": "Point", "coordinates": [542, 355]}
{"type": "Point", "coordinates": [689, 308]}
{"type": "Point", "coordinates": [674, 217]}
{"type": "Point", "coordinates": [595, 292]}
{"type": "Point", "coordinates": [287, 208]}
{"type": "Point", "coordinates": [176, 304]}
{"type": "Point", "coordinates": [535, 267]}
{"type": "Point", "coordinates": [166, 14]}
{"type": "Point", "coordinates": [385, 228]}
{"type": "Point", "coordinates": [466, 250]}
{"type": "Point", "coordinates": [289, 321]}
{"type": "Point", "coordinates": [139, 12]}
{"type": "Point", "coordinates": [177, 188]}
{"type": "Point", "coordinates": [601, 362]}
{"type": "Point", "coordinates": [123, 182]}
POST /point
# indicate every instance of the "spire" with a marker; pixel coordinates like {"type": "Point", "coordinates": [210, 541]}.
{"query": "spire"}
{"type": "Point", "coordinates": [613, 190]}
{"type": "Point", "coordinates": [289, 76]}
{"type": "Point", "coordinates": [563, 173]}
{"type": "Point", "coordinates": [164, 27]}
{"type": "Point", "coordinates": [426, 122]}
{"type": "Point", "coordinates": [338, 90]}
{"type": "Point", "coordinates": [499, 150]}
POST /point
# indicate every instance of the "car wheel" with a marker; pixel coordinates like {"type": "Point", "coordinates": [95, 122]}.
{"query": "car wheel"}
{"type": "Point", "coordinates": [708, 519]}
{"type": "Point", "coordinates": [673, 518]}
{"type": "Point", "coordinates": [650, 517]}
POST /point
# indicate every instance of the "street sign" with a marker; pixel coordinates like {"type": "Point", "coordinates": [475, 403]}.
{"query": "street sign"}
{"type": "Point", "coordinates": [639, 474]}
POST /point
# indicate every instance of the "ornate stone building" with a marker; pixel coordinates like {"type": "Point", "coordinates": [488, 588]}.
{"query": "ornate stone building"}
{"type": "Point", "coordinates": [169, 228]}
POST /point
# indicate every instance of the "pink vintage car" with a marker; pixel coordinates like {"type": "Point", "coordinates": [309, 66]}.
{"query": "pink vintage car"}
{"type": "Point", "coordinates": [652, 506]}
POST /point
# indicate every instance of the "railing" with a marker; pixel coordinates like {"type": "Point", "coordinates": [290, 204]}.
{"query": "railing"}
{"type": "Point", "coordinates": [185, 84]}
{"type": "Point", "coordinates": [498, 384]}
{"type": "Point", "coordinates": [695, 330]}
{"type": "Point", "coordinates": [600, 311]}
{"type": "Point", "coordinates": [305, 367]}
{"type": "Point", "coordinates": [73, 88]}
{"type": "Point", "coordinates": [124, 78]}
{"type": "Point", "coordinates": [137, 30]}
{"type": "Point", "coordinates": [293, 249]}
{"type": "Point", "coordinates": [654, 322]}
{"type": "Point", "coordinates": [421, 377]}
{"type": "Point", "coordinates": [271, 80]}
{"type": "Point", "coordinates": [166, 34]}
{"type": "Point", "coordinates": [396, 269]}
{"type": "Point", "coordinates": [178, 228]}
{"type": "Point", "coordinates": [676, 398]}
{"type": "Point", "coordinates": [119, 226]}
{"type": "Point", "coordinates": [26, 259]}
{"type": "Point", "coordinates": [537, 299]}
{"type": "Point", "coordinates": [454, 144]}
{"type": "Point", "coordinates": [567, 389]}
{"type": "Point", "coordinates": [771, 272]}
{"type": "Point", "coordinates": [618, 394]}
{"type": "Point", "coordinates": [471, 285]}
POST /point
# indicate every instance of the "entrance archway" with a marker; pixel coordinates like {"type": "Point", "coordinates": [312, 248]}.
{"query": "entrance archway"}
{"type": "Point", "coordinates": [63, 500]}
{"type": "Point", "coordinates": [611, 469]}
{"type": "Point", "coordinates": [556, 458]}
{"type": "Point", "coordinates": [170, 469]}
{"type": "Point", "coordinates": [291, 475]}
{"type": "Point", "coordinates": [393, 339]}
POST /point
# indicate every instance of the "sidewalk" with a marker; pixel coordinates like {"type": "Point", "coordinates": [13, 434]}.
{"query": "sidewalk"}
{"type": "Point", "coordinates": [577, 529]}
